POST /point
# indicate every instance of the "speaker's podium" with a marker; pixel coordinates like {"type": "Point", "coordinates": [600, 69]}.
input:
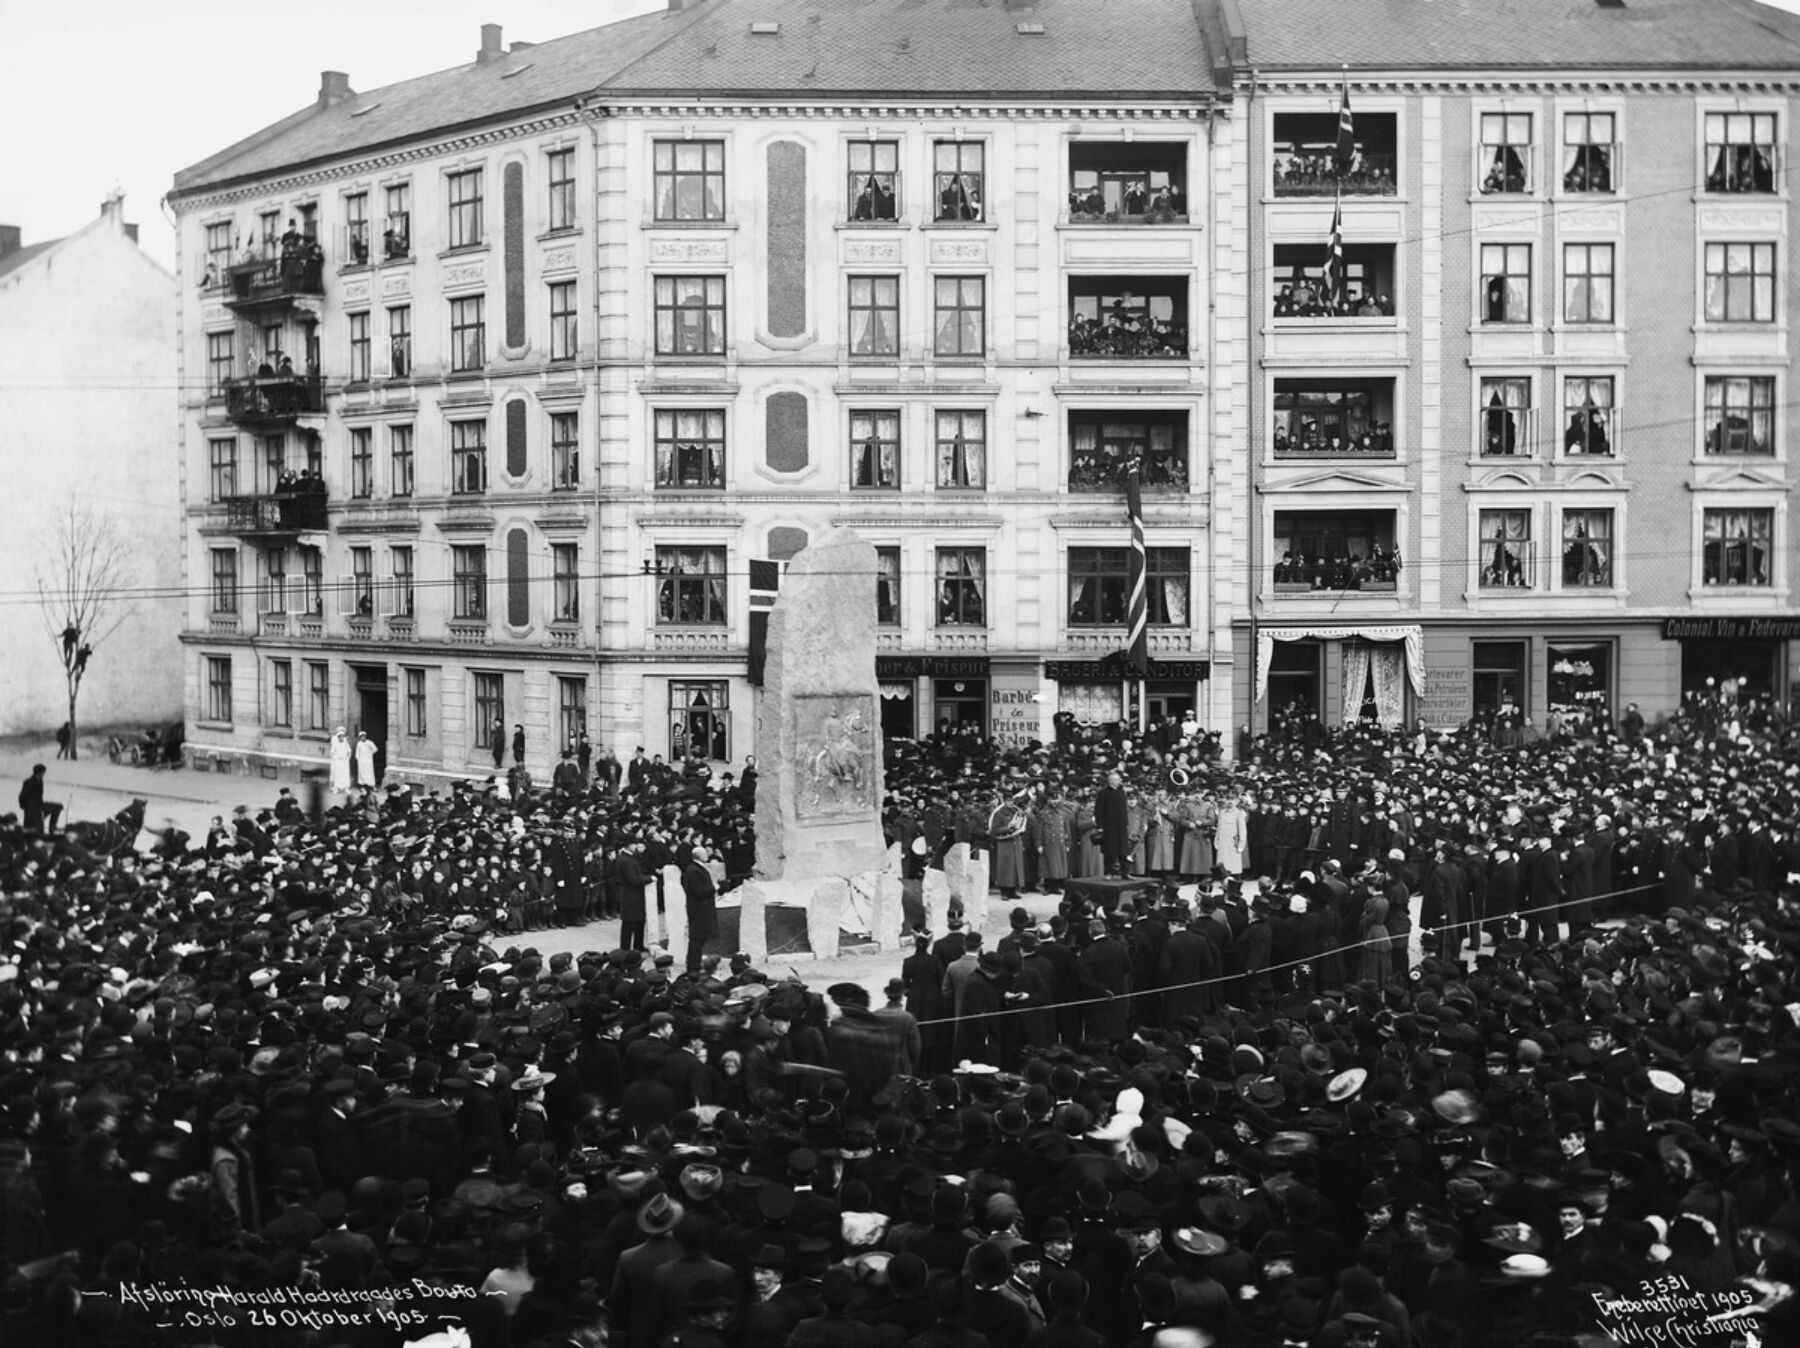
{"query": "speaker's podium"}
{"type": "Point", "coordinates": [1108, 892]}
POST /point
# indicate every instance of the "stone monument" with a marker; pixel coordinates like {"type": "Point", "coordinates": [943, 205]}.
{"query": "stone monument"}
{"type": "Point", "coordinates": [819, 843]}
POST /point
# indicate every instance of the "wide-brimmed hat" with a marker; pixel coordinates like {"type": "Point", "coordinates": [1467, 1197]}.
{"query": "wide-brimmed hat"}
{"type": "Point", "coordinates": [1346, 1084]}
{"type": "Point", "coordinates": [659, 1215]}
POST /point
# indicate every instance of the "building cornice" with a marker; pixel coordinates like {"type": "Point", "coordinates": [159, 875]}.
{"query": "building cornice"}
{"type": "Point", "coordinates": [1320, 83]}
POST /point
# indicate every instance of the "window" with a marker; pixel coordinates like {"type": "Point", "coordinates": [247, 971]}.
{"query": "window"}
{"type": "Point", "coordinates": [218, 253]}
{"type": "Point", "coordinates": [1588, 408]}
{"type": "Point", "coordinates": [691, 590]}
{"type": "Point", "coordinates": [962, 587]}
{"type": "Point", "coordinates": [468, 333]}
{"type": "Point", "coordinates": [700, 720]}
{"type": "Point", "coordinates": [1305, 155]}
{"type": "Point", "coordinates": [1506, 282]}
{"type": "Point", "coordinates": [1505, 152]}
{"type": "Point", "coordinates": [875, 450]}
{"type": "Point", "coordinates": [565, 582]}
{"type": "Point", "coordinates": [1740, 282]}
{"type": "Point", "coordinates": [1347, 418]}
{"type": "Point", "coordinates": [959, 179]}
{"type": "Point", "coordinates": [415, 703]}
{"type": "Point", "coordinates": [874, 315]}
{"type": "Point", "coordinates": [565, 450]}
{"type": "Point", "coordinates": [962, 450]}
{"type": "Point", "coordinates": [1506, 557]}
{"type": "Point", "coordinates": [400, 341]}
{"type": "Point", "coordinates": [465, 209]}
{"type": "Point", "coordinates": [468, 457]}
{"type": "Point", "coordinates": [400, 560]}
{"type": "Point", "coordinates": [362, 582]}
{"type": "Point", "coordinates": [571, 708]}
{"type": "Point", "coordinates": [218, 688]}
{"type": "Point", "coordinates": [356, 228]}
{"type": "Point", "coordinates": [874, 189]}
{"type": "Point", "coordinates": [887, 587]}
{"type": "Point", "coordinates": [362, 462]}
{"type": "Point", "coordinates": [690, 449]}
{"type": "Point", "coordinates": [1099, 586]}
{"type": "Point", "coordinates": [1587, 283]}
{"type": "Point", "coordinates": [1102, 445]}
{"type": "Point", "coordinates": [1737, 547]}
{"type": "Point", "coordinates": [224, 580]}
{"type": "Point", "coordinates": [1135, 318]}
{"type": "Point", "coordinates": [1580, 680]}
{"type": "Point", "coordinates": [468, 575]}
{"type": "Point", "coordinates": [1499, 669]}
{"type": "Point", "coordinates": [400, 460]}
{"type": "Point", "coordinates": [1301, 290]}
{"type": "Point", "coordinates": [1740, 414]}
{"type": "Point", "coordinates": [563, 331]}
{"type": "Point", "coordinates": [490, 711]}
{"type": "Point", "coordinates": [318, 695]}
{"type": "Point", "coordinates": [273, 598]}
{"type": "Point", "coordinates": [961, 303]}
{"type": "Point", "coordinates": [281, 694]}
{"type": "Point", "coordinates": [1126, 181]}
{"type": "Point", "coordinates": [219, 357]}
{"type": "Point", "coordinates": [1590, 149]}
{"type": "Point", "coordinates": [268, 226]}
{"type": "Point", "coordinates": [690, 315]}
{"type": "Point", "coordinates": [1587, 548]}
{"type": "Point", "coordinates": [396, 234]}
{"type": "Point", "coordinates": [312, 578]}
{"type": "Point", "coordinates": [224, 468]}
{"type": "Point", "coordinates": [560, 168]}
{"type": "Point", "coordinates": [690, 179]}
{"type": "Point", "coordinates": [1335, 550]}
{"type": "Point", "coordinates": [1741, 149]}
{"type": "Point", "coordinates": [360, 348]}
{"type": "Point", "coordinates": [1506, 417]}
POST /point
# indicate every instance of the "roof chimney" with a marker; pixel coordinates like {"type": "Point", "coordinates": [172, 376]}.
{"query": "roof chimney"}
{"type": "Point", "coordinates": [113, 207]}
{"type": "Point", "coordinates": [492, 49]}
{"type": "Point", "coordinates": [334, 88]}
{"type": "Point", "coordinates": [10, 240]}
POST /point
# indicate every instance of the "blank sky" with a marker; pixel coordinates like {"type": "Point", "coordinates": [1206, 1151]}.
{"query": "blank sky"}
{"type": "Point", "coordinates": [103, 93]}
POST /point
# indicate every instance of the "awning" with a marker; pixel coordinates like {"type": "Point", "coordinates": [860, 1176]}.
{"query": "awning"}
{"type": "Point", "coordinates": [1413, 637]}
{"type": "Point", "coordinates": [895, 692]}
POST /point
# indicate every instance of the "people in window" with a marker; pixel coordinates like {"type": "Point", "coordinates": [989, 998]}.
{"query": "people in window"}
{"type": "Point", "coordinates": [1310, 171]}
{"type": "Point", "coordinates": [1741, 168]}
{"type": "Point", "coordinates": [1506, 171]}
{"type": "Point", "coordinates": [1587, 432]}
{"type": "Point", "coordinates": [1502, 429]}
{"type": "Point", "coordinates": [875, 201]}
{"type": "Point", "coordinates": [1305, 297]}
{"type": "Point", "coordinates": [960, 198]}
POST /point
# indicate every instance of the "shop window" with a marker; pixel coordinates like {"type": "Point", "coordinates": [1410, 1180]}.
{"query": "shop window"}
{"type": "Point", "coordinates": [1295, 669]}
{"type": "Point", "coordinates": [1580, 682]}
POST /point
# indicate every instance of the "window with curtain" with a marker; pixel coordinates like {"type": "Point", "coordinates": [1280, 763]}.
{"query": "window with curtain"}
{"type": "Point", "coordinates": [1740, 282]}
{"type": "Point", "coordinates": [1505, 416]}
{"type": "Point", "coordinates": [887, 587]}
{"type": "Point", "coordinates": [690, 448]}
{"type": "Point", "coordinates": [962, 450]}
{"type": "Point", "coordinates": [1741, 151]}
{"type": "Point", "coordinates": [1588, 406]}
{"type": "Point", "coordinates": [1587, 283]}
{"type": "Point", "coordinates": [1506, 282]}
{"type": "Point", "coordinates": [1589, 150]}
{"type": "Point", "coordinates": [1506, 557]}
{"type": "Point", "coordinates": [875, 449]}
{"type": "Point", "coordinates": [1099, 586]}
{"type": "Point", "coordinates": [962, 587]}
{"type": "Point", "coordinates": [692, 588]}
{"type": "Point", "coordinates": [874, 315]}
{"type": "Point", "coordinates": [961, 309]}
{"type": "Point", "coordinates": [1740, 414]}
{"type": "Point", "coordinates": [1737, 546]}
{"type": "Point", "coordinates": [689, 179]}
{"type": "Point", "coordinates": [1587, 538]}
{"type": "Point", "coordinates": [1505, 152]}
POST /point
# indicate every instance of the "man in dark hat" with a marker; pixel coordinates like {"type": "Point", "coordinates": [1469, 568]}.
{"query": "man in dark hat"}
{"type": "Point", "coordinates": [636, 1308]}
{"type": "Point", "coordinates": [870, 1049]}
{"type": "Point", "coordinates": [772, 1311]}
{"type": "Point", "coordinates": [702, 906]}
{"type": "Point", "coordinates": [1112, 815]}
{"type": "Point", "coordinates": [907, 1025]}
{"type": "Point", "coordinates": [1103, 971]}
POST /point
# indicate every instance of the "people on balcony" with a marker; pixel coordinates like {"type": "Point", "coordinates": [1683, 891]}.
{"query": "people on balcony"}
{"type": "Point", "coordinates": [1310, 438]}
{"type": "Point", "coordinates": [1308, 298]}
{"type": "Point", "coordinates": [1104, 469]}
{"type": "Point", "coordinates": [1140, 200]}
{"type": "Point", "coordinates": [1351, 571]}
{"type": "Point", "coordinates": [1310, 172]}
{"type": "Point", "coordinates": [1127, 332]}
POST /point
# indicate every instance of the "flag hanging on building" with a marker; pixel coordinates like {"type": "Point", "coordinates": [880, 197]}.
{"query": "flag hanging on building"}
{"type": "Point", "coordinates": [1345, 157]}
{"type": "Point", "coordinates": [1334, 254]}
{"type": "Point", "coordinates": [765, 583]}
{"type": "Point", "coordinates": [1137, 640]}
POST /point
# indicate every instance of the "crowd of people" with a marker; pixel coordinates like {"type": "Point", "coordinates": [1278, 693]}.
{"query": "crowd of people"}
{"type": "Point", "coordinates": [1366, 1037]}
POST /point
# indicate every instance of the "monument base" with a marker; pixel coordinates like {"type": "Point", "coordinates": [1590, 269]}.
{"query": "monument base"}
{"type": "Point", "coordinates": [865, 907]}
{"type": "Point", "coordinates": [1107, 893]}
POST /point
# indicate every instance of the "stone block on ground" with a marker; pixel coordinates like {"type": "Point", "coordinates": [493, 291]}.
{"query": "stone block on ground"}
{"type": "Point", "coordinates": [887, 920]}
{"type": "Point", "coordinates": [937, 901]}
{"type": "Point", "coordinates": [956, 874]}
{"type": "Point", "coordinates": [975, 900]}
{"type": "Point", "coordinates": [824, 913]}
{"type": "Point", "coordinates": [753, 928]}
{"type": "Point", "coordinates": [674, 911]}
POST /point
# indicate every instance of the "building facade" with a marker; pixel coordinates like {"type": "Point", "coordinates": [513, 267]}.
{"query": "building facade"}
{"type": "Point", "coordinates": [87, 415]}
{"type": "Point", "coordinates": [1534, 448]}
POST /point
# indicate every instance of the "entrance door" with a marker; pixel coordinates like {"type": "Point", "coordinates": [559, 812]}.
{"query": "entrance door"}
{"type": "Point", "coordinates": [1168, 699]}
{"type": "Point", "coordinates": [960, 702]}
{"type": "Point", "coordinates": [372, 712]}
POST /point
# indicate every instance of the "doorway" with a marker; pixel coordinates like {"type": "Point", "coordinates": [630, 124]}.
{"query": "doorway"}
{"type": "Point", "coordinates": [372, 712]}
{"type": "Point", "coordinates": [960, 702]}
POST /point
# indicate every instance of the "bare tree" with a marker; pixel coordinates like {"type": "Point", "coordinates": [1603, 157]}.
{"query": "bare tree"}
{"type": "Point", "coordinates": [81, 580]}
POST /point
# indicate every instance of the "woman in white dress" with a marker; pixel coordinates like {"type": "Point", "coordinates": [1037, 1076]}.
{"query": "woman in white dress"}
{"type": "Point", "coordinates": [365, 761]}
{"type": "Point", "coordinates": [1228, 846]}
{"type": "Point", "coordinates": [340, 762]}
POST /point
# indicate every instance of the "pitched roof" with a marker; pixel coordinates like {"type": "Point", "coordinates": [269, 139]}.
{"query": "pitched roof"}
{"type": "Point", "coordinates": [1115, 49]}
{"type": "Point", "coordinates": [1521, 34]}
{"type": "Point", "coordinates": [544, 75]}
{"type": "Point", "coordinates": [20, 256]}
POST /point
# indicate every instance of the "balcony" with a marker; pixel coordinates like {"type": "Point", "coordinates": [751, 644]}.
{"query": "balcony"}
{"type": "Point", "coordinates": [1103, 446]}
{"type": "Point", "coordinates": [1100, 641]}
{"type": "Point", "coordinates": [1127, 184]}
{"type": "Point", "coordinates": [693, 640]}
{"type": "Point", "coordinates": [273, 275]}
{"type": "Point", "coordinates": [1305, 162]}
{"type": "Point", "coordinates": [277, 513]}
{"type": "Point", "coordinates": [271, 400]}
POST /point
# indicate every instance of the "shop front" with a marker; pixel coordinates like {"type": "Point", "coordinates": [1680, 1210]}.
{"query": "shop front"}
{"type": "Point", "coordinates": [1339, 674]}
{"type": "Point", "coordinates": [1748, 656]}
{"type": "Point", "coordinates": [1100, 692]}
{"type": "Point", "coordinates": [957, 688]}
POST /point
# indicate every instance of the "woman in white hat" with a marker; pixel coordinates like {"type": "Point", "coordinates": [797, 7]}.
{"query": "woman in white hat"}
{"type": "Point", "coordinates": [340, 762]}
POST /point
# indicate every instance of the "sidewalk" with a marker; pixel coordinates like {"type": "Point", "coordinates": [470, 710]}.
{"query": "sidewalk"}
{"type": "Point", "coordinates": [95, 788]}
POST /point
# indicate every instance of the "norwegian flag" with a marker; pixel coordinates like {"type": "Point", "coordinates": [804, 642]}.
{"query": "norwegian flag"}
{"type": "Point", "coordinates": [1137, 638]}
{"type": "Point", "coordinates": [765, 583]}
{"type": "Point", "coordinates": [1334, 253]}
{"type": "Point", "coordinates": [1345, 157]}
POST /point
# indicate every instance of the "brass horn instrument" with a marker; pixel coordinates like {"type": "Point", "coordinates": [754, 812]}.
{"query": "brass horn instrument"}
{"type": "Point", "coordinates": [1179, 776]}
